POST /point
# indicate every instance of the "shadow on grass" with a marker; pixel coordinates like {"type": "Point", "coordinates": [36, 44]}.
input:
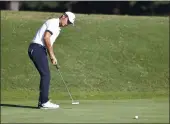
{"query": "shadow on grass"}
{"type": "Point", "coordinates": [18, 106]}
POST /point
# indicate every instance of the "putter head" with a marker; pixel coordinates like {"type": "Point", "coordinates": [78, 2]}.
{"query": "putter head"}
{"type": "Point", "coordinates": [75, 102]}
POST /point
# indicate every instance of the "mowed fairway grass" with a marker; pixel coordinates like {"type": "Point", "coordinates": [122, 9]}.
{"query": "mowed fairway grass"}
{"type": "Point", "coordinates": [116, 66]}
{"type": "Point", "coordinates": [90, 111]}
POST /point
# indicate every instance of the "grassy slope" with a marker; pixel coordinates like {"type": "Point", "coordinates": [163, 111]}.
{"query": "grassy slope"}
{"type": "Point", "coordinates": [102, 57]}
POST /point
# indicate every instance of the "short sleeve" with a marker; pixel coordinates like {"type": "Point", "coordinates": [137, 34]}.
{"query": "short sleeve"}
{"type": "Point", "coordinates": [51, 27]}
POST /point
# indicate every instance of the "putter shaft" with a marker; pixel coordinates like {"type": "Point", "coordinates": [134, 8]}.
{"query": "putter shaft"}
{"type": "Point", "coordinates": [65, 84]}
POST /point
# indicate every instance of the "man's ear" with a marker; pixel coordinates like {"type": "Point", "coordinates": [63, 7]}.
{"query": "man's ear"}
{"type": "Point", "coordinates": [64, 16]}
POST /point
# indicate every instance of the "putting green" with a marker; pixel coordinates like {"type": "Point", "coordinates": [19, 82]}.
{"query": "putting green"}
{"type": "Point", "coordinates": [115, 111]}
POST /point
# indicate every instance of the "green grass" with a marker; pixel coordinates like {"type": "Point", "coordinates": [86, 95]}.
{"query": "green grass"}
{"type": "Point", "coordinates": [90, 111]}
{"type": "Point", "coordinates": [103, 57]}
{"type": "Point", "coordinates": [101, 54]}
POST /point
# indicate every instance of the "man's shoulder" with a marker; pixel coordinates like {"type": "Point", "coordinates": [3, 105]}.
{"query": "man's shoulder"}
{"type": "Point", "coordinates": [53, 20]}
{"type": "Point", "coordinates": [53, 23]}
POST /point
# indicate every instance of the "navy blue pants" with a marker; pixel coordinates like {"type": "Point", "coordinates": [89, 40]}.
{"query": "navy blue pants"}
{"type": "Point", "coordinates": [38, 55]}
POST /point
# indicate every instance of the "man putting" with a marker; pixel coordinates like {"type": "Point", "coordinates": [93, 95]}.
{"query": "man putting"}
{"type": "Point", "coordinates": [42, 44]}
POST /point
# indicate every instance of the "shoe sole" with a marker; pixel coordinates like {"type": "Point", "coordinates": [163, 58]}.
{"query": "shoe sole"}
{"type": "Point", "coordinates": [47, 108]}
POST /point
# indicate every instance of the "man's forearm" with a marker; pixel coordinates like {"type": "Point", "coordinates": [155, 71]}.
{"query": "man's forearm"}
{"type": "Point", "coordinates": [49, 48]}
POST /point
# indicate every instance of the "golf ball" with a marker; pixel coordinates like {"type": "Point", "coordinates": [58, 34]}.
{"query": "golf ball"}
{"type": "Point", "coordinates": [136, 117]}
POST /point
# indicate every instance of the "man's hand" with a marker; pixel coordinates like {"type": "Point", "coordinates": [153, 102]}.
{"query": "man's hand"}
{"type": "Point", "coordinates": [54, 61]}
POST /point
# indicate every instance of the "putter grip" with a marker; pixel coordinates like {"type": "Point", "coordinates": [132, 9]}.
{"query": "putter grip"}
{"type": "Point", "coordinates": [57, 66]}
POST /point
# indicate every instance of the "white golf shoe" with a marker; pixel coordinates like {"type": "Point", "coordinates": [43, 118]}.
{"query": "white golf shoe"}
{"type": "Point", "coordinates": [48, 105]}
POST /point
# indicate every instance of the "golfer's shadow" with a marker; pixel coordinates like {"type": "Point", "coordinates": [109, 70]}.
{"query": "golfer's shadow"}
{"type": "Point", "coordinates": [18, 106]}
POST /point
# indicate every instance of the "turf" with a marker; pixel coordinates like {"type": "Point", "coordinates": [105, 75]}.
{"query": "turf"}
{"type": "Point", "coordinates": [101, 54]}
{"type": "Point", "coordinates": [90, 111]}
{"type": "Point", "coordinates": [103, 58]}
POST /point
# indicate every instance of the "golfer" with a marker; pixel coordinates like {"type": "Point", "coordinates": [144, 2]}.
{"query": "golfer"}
{"type": "Point", "coordinates": [42, 44]}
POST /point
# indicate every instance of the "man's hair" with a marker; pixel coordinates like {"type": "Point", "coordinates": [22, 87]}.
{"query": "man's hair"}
{"type": "Point", "coordinates": [64, 15]}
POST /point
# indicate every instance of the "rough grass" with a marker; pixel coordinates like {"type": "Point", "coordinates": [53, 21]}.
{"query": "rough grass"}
{"type": "Point", "coordinates": [102, 57]}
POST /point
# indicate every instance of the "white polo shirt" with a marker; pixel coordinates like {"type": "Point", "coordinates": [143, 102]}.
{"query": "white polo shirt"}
{"type": "Point", "coordinates": [51, 25]}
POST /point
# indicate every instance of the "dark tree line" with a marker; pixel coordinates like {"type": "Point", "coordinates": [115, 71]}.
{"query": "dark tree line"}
{"type": "Point", "coordinates": [96, 7]}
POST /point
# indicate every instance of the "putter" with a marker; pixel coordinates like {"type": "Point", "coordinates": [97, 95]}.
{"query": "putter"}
{"type": "Point", "coordinates": [73, 102]}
